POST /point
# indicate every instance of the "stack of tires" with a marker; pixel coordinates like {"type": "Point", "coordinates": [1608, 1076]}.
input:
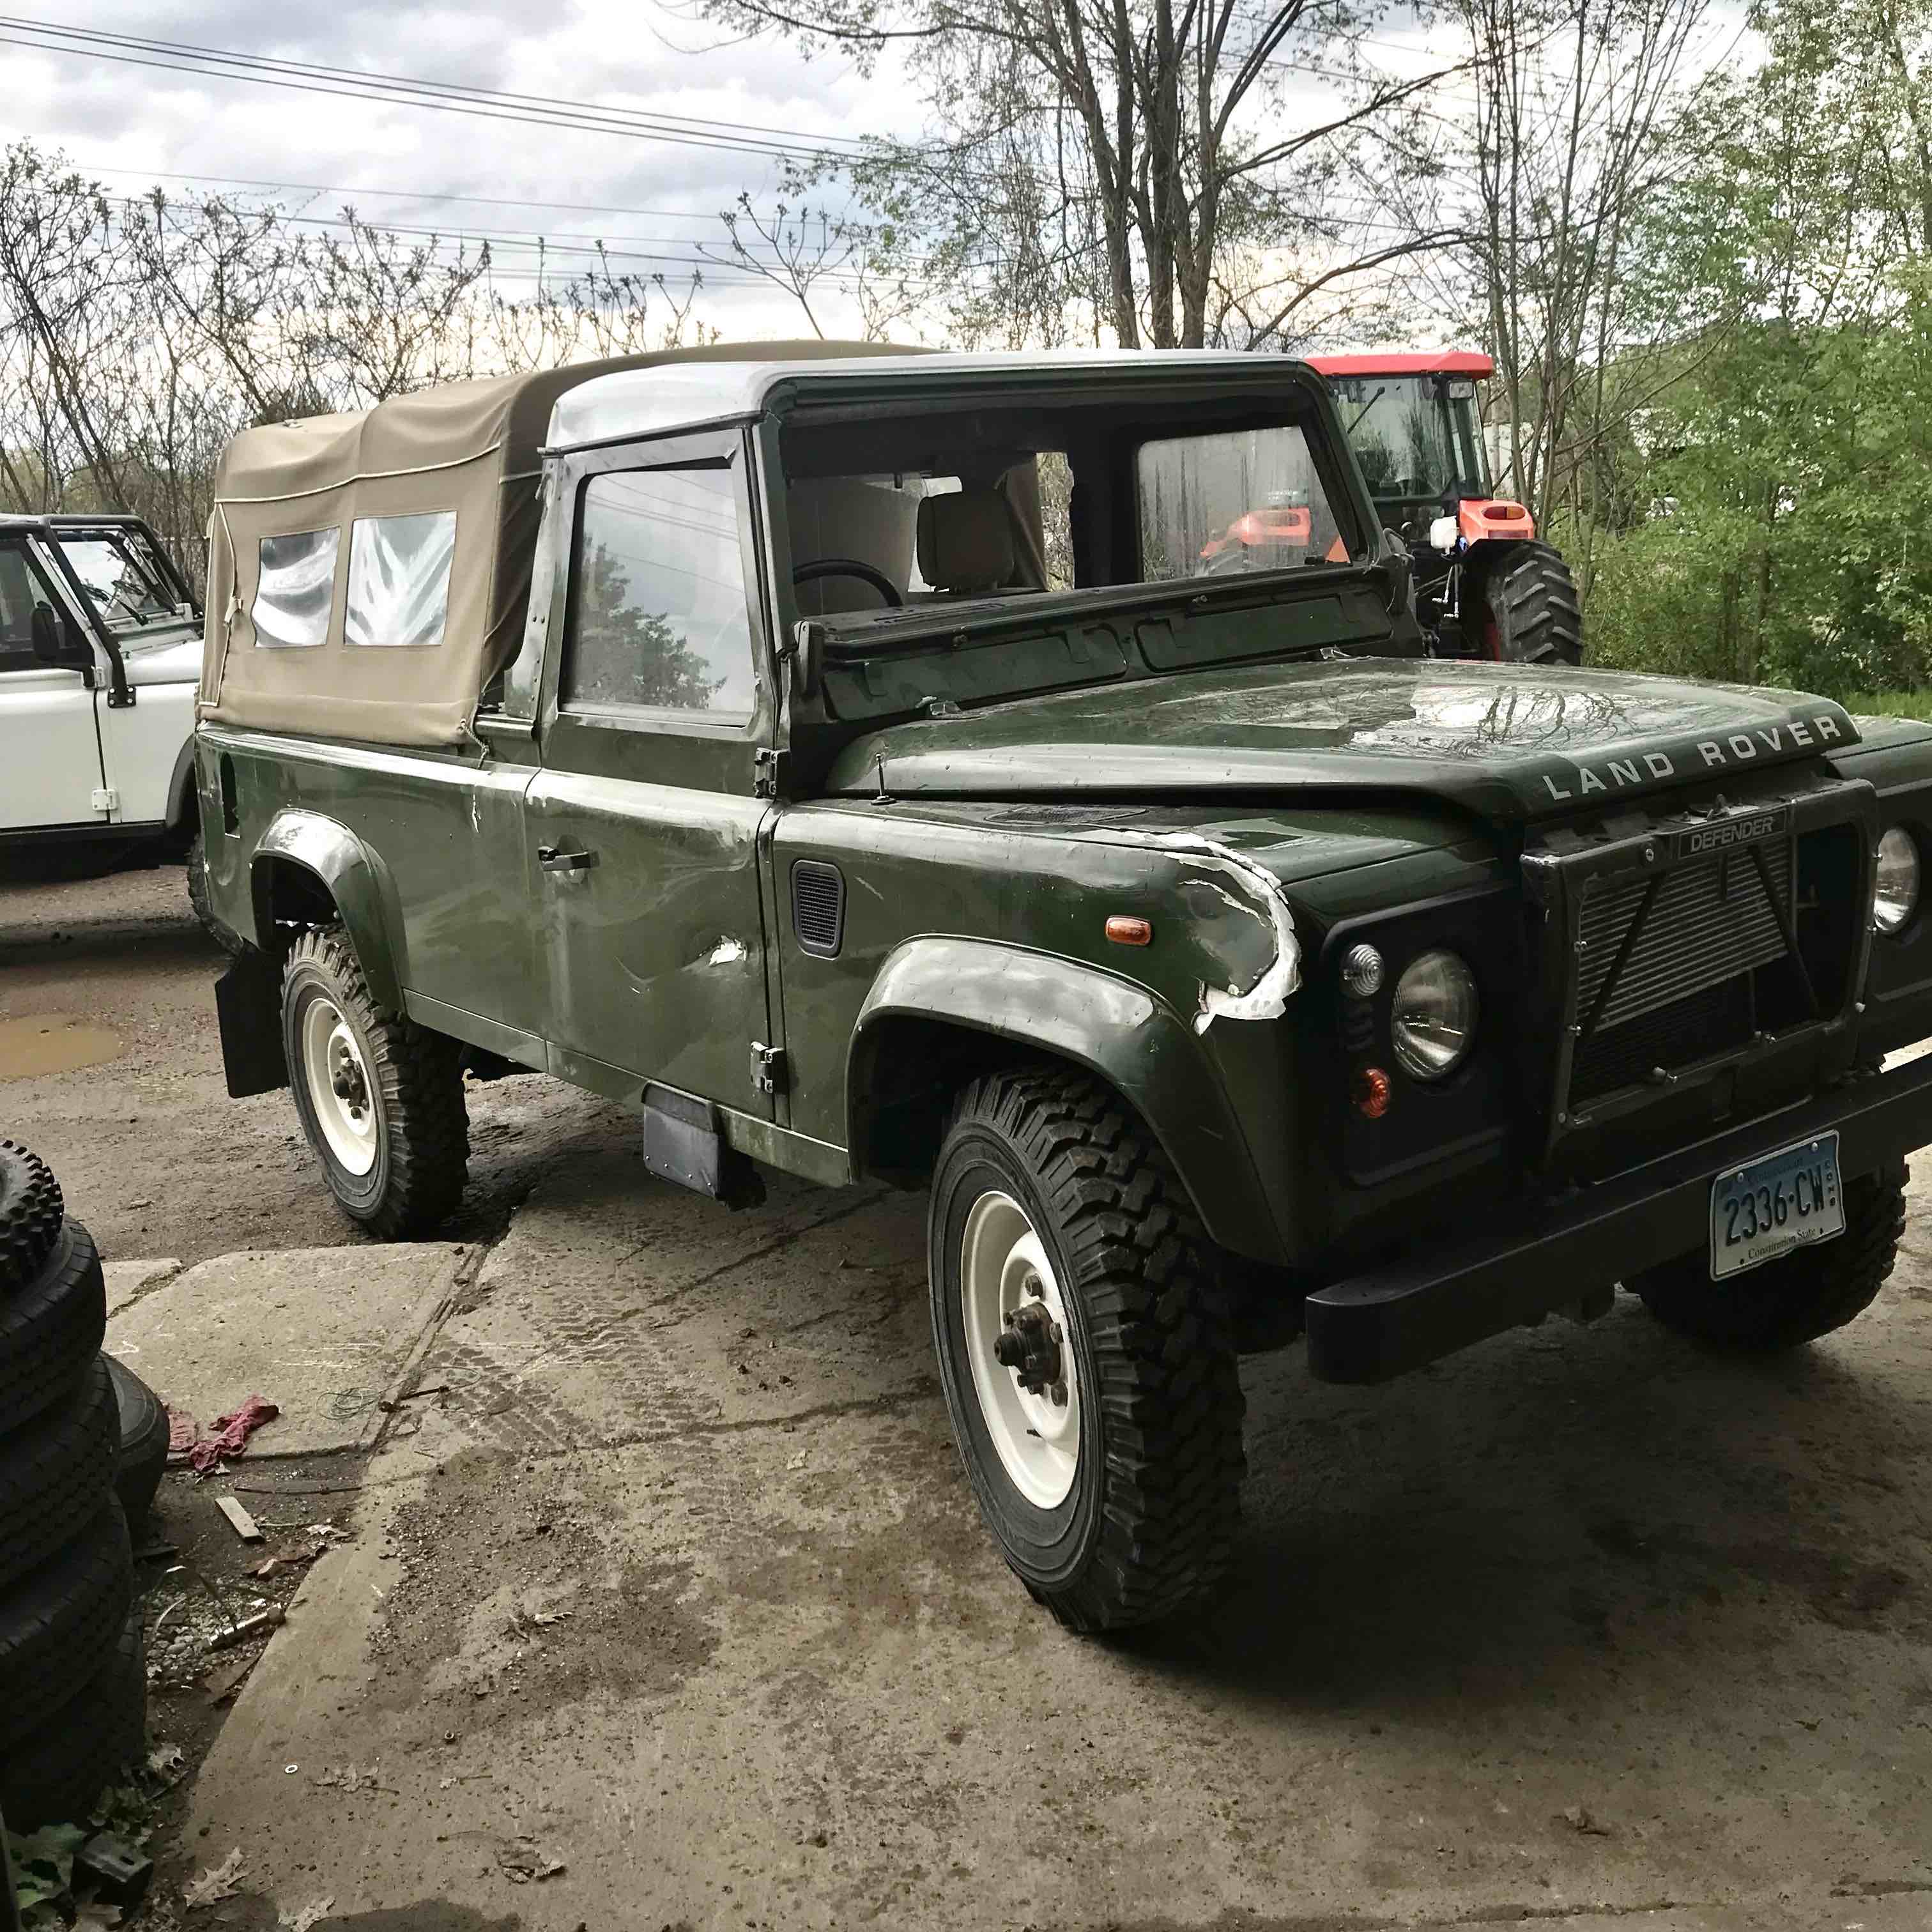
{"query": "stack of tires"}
{"type": "Point", "coordinates": [72, 1680]}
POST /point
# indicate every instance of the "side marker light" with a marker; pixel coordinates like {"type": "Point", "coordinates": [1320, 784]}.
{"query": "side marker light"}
{"type": "Point", "coordinates": [1370, 1091]}
{"type": "Point", "coordinates": [1124, 929]}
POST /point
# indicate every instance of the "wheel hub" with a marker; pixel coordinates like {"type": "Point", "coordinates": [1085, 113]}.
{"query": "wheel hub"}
{"type": "Point", "coordinates": [1029, 1344]}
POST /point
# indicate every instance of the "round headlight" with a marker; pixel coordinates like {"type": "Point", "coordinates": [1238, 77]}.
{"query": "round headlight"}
{"type": "Point", "coordinates": [1434, 1016]}
{"type": "Point", "coordinates": [1896, 897]}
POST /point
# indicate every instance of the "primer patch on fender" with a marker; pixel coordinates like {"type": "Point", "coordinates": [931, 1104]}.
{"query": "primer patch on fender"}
{"type": "Point", "coordinates": [1261, 896]}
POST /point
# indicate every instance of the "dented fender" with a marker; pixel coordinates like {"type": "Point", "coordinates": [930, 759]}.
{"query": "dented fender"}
{"type": "Point", "coordinates": [353, 877]}
{"type": "Point", "coordinates": [1115, 1028]}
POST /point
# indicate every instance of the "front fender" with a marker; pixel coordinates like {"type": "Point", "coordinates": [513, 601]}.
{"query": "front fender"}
{"type": "Point", "coordinates": [1117, 1030]}
{"type": "Point", "coordinates": [352, 875]}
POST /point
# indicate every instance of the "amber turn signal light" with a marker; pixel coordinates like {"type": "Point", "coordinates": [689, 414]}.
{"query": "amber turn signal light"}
{"type": "Point", "coordinates": [1124, 929]}
{"type": "Point", "coordinates": [1370, 1091]}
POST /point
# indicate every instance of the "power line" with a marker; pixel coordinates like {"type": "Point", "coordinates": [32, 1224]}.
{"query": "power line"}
{"type": "Point", "coordinates": [531, 110]}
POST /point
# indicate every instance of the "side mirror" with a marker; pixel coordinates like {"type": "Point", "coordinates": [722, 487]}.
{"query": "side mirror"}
{"type": "Point", "coordinates": [50, 646]}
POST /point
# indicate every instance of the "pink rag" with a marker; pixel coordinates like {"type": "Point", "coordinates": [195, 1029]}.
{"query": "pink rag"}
{"type": "Point", "coordinates": [232, 1433]}
{"type": "Point", "coordinates": [184, 1433]}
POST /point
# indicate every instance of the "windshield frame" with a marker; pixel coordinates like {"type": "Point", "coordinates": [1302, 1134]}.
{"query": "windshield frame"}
{"type": "Point", "coordinates": [122, 541]}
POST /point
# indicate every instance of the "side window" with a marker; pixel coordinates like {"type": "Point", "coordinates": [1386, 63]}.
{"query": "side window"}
{"type": "Point", "coordinates": [657, 611]}
{"type": "Point", "coordinates": [21, 588]}
{"type": "Point", "coordinates": [399, 580]}
{"type": "Point", "coordinates": [295, 591]}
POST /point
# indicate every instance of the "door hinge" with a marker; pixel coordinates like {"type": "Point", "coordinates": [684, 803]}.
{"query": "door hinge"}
{"type": "Point", "coordinates": [769, 771]}
{"type": "Point", "coordinates": [107, 799]}
{"type": "Point", "coordinates": [771, 1072]}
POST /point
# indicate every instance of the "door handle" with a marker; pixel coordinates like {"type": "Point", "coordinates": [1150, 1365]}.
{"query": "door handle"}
{"type": "Point", "coordinates": [553, 860]}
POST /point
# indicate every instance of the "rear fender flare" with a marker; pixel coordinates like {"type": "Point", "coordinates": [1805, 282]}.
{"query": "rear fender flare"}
{"type": "Point", "coordinates": [183, 795]}
{"type": "Point", "coordinates": [1114, 1028]}
{"type": "Point", "coordinates": [353, 877]}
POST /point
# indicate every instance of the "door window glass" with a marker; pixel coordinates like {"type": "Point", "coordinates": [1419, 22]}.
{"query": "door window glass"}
{"type": "Point", "coordinates": [399, 579]}
{"type": "Point", "coordinates": [21, 588]}
{"type": "Point", "coordinates": [295, 593]}
{"type": "Point", "coordinates": [658, 610]}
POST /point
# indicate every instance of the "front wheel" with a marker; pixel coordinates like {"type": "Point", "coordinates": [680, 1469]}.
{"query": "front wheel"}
{"type": "Point", "coordinates": [1088, 1365]}
{"type": "Point", "coordinates": [379, 1097]}
{"type": "Point", "coordinates": [1526, 606]}
{"type": "Point", "coordinates": [1796, 1298]}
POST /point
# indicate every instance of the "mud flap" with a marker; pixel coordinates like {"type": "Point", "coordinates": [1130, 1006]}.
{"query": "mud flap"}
{"type": "Point", "coordinates": [684, 1142]}
{"type": "Point", "coordinates": [248, 1007]}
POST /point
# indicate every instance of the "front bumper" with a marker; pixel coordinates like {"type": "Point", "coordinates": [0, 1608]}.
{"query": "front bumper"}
{"type": "Point", "coordinates": [1394, 1318]}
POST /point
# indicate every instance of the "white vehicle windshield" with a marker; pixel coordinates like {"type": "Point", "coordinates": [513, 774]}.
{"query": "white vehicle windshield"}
{"type": "Point", "coordinates": [115, 578]}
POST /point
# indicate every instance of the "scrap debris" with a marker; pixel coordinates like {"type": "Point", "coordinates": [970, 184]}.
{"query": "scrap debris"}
{"type": "Point", "coordinates": [232, 1432]}
{"type": "Point", "coordinates": [217, 1882]}
{"type": "Point", "coordinates": [524, 1863]}
{"type": "Point", "coordinates": [244, 1524]}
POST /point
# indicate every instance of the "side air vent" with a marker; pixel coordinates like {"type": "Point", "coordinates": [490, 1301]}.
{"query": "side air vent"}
{"type": "Point", "coordinates": [818, 906]}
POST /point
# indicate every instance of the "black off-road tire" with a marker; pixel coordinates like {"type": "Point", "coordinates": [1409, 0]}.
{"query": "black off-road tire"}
{"type": "Point", "coordinates": [1150, 1519]}
{"type": "Point", "coordinates": [198, 897]}
{"type": "Point", "coordinates": [1796, 1298]}
{"type": "Point", "coordinates": [141, 1438]}
{"type": "Point", "coordinates": [55, 1473]}
{"type": "Point", "coordinates": [422, 1129]}
{"type": "Point", "coordinates": [55, 1776]}
{"type": "Point", "coordinates": [30, 1214]}
{"type": "Point", "coordinates": [58, 1624]}
{"type": "Point", "coordinates": [50, 1328]}
{"type": "Point", "coordinates": [1528, 610]}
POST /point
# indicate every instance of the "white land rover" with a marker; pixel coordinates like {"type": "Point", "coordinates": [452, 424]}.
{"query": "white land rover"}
{"type": "Point", "coordinates": [100, 657]}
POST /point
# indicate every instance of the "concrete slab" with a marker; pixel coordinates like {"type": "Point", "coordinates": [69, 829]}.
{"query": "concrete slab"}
{"type": "Point", "coordinates": [325, 1333]}
{"type": "Point", "coordinates": [684, 1588]}
{"type": "Point", "coordinates": [128, 1281]}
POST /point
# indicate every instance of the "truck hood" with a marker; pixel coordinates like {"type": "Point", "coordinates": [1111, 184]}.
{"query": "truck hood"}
{"type": "Point", "coordinates": [1509, 741]}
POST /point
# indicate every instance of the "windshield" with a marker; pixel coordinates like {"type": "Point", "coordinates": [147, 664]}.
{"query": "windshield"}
{"type": "Point", "coordinates": [1249, 500]}
{"type": "Point", "coordinates": [114, 577]}
{"type": "Point", "coordinates": [1417, 438]}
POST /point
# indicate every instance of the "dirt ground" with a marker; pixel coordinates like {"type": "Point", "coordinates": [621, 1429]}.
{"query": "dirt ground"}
{"type": "Point", "coordinates": [665, 1604]}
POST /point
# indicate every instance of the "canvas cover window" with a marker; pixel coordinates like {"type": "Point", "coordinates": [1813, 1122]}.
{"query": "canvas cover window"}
{"type": "Point", "coordinates": [295, 592]}
{"type": "Point", "coordinates": [399, 580]}
{"type": "Point", "coordinates": [659, 616]}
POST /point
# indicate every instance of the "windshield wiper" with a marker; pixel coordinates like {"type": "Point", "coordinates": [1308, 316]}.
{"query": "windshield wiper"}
{"type": "Point", "coordinates": [1350, 431]}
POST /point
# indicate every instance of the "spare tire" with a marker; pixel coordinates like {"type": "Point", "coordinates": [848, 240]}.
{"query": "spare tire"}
{"type": "Point", "coordinates": [50, 1328]}
{"type": "Point", "coordinates": [1527, 610]}
{"type": "Point", "coordinates": [30, 1214]}
{"type": "Point", "coordinates": [56, 1474]}
{"type": "Point", "coordinates": [142, 1439]}
{"type": "Point", "coordinates": [58, 1624]}
{"type": "Point", "coordinates": [54, 1777]}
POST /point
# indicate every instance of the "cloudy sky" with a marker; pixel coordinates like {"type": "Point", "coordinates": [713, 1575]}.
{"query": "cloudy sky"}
{"type": "Point", "coordinates": [133, 125]}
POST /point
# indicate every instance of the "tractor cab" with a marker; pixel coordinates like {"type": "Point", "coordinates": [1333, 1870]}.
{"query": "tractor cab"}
{"type": "Point", "coordinates": [1485, 587]}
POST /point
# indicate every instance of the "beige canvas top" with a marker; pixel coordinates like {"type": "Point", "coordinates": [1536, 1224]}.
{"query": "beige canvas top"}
{"type": "Point", "coordinates": [470, 449]}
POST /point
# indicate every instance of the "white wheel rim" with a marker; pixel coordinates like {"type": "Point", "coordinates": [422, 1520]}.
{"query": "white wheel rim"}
{"type": "Point", "coordinates": [1003, 1267]}
{"type": "Point", "coordinates": [330, 1053]}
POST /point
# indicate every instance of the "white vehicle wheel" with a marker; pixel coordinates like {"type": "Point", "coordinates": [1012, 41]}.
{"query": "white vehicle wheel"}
{"type": "Point", "coordinates": [1017, 1343]}
{"type": "Point", "coordinates": [339, 1086]}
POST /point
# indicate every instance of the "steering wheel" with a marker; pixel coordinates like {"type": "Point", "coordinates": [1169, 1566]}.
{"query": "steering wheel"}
{"type": "Point", "coordinates": [849, 566]}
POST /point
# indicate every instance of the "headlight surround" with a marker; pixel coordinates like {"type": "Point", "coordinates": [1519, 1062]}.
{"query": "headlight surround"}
{"type": "Point", "coordinates": [1432, 1018]}
{"type": "Point", "coordinates": [1896, 897]}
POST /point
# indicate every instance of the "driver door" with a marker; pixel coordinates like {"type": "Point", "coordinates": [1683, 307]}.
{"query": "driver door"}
{"type": "Point", "coordinates": [50, 765]}
{"type": "Point", "coordinates": [643, 827]}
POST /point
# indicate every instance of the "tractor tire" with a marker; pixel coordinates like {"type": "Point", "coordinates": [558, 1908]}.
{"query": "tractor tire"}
{"type": "Point", "coordinates": [1800, 1296]}
{"type": "Point", "coordinates": [1527, 608]}
{"type": "Point", "coordinates": [395, 1145]}
{"type": "Point", "coordinates": [1113, 1492]}
{"type": "Point", "coordinates": [30, 1214]}
{"type": "Point", "coordinates": [55, 1473]}
{"type": "Point", "coordinates": [54, 1777]}
{"type": "Point", "coordinates": [142, 1439]}
{"type": "Point", "coordinates": [59, 1625]}
{"type": "Point", "coordinates": [50, 1328]}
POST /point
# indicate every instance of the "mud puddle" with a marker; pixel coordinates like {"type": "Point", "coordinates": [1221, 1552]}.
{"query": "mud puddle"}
{"type": "Point", "coordinates": [37, 1043]}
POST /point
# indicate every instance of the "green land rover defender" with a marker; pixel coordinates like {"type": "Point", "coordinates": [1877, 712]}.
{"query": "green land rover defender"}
{"type": "Point", "coordinates": [841, 756]}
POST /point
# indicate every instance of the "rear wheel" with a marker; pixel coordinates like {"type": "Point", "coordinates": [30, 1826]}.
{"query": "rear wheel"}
{"type": "Point", "coordinates": [1526, 608]}
{"type": "Point", "coordinates": [1796, 1298]}
{"type": "Point", "coordinates": [379, 1097]}
{"type": "Point", "coordinates": [1088, 1362]}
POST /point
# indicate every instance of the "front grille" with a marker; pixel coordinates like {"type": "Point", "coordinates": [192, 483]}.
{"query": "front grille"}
{"type": "Point", "coordinates": [1706, 923]}
{"type": "Point", "coordinates": [1711, 1021]}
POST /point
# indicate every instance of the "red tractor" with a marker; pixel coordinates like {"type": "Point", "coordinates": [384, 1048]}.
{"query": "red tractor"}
{"type": "Point", "coordinates": [1485, 586]}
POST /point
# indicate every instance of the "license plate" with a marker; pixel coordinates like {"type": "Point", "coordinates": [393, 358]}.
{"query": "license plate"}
{"type": "Point", "coordinates": [1767, 1208]}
